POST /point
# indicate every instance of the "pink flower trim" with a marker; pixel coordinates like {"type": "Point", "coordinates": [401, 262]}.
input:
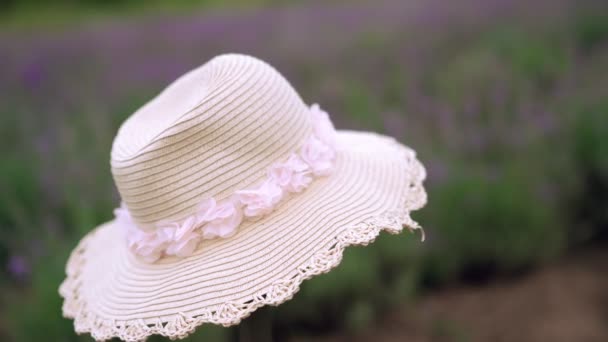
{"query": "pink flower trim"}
{"type": "Point", "coordinates": [214, 219]}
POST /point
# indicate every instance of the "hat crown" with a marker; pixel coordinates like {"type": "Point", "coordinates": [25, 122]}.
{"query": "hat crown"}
{"type": "Point", "coordinates": [213, 131]}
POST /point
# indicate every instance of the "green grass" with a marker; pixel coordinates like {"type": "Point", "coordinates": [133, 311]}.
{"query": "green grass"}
{"type": "Point", "coordinates": [63, 15]}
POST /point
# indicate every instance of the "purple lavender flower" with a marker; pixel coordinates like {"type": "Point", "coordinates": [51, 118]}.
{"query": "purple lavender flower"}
{"type": "Point", "coordinates": [18, 267]}
{"type": "Point", "coordinates": [33, 74]}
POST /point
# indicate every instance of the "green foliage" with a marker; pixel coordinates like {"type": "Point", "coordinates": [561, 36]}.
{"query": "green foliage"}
{"type": "Point", "coordinates": [590, 152]}
{"type": "Point", "coordinates": [33, 311]}
{"type": "Point", "coordinates": [591, 30]}
{"type": "Point", "coordinates": [542, 59]}
{"type": "Point", "coordinates": [360, 106]}
{"type": "Point", "coordinates": [590, 136]}
{"type": "Point", "coordinates": [501, 221]}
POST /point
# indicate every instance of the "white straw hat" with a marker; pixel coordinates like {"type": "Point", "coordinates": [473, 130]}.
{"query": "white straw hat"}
{"type": "Point", "coordinates": [234, 191]}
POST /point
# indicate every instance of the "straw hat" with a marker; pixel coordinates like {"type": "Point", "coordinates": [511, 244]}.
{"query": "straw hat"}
{"type": "Point", "coordinates": [234, 191]}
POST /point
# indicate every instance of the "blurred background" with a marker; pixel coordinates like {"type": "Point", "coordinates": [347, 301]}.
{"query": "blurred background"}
{"type": "Point", "coordinates": [506, 102]}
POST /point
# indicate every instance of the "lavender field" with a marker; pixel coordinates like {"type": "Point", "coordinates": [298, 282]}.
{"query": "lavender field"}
{"type": "Point", "coordinates": [506, 102]}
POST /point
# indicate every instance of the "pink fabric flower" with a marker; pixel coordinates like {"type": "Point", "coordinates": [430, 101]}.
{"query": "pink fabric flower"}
{"type": "Point", "coordinates": [318, 156]}
{"type": "Point", "coordinates": [148, 245]}
{"type": "Point", "coordinates": [184, 246]}
{"type": "Point", "coordinates": [123, 217]}
{"type": "Point", "coordinates": [180, 239]}
{"type": "Point", "coordinates": [186, 228]}
{"type": "Point", "coordinates": [221, 220]}
{"type": "Point", "coordinates": [323, 129]}
{"type": "Point", "coordinates": [260, 201]}
{"type": "Point", "coordinates": [292, 176]}
{"type": "Point", "coordinates": [145, 244]}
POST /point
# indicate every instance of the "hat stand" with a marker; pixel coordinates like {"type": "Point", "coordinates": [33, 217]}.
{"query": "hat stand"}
{"type": "Point", "coordinates": [257, 327]}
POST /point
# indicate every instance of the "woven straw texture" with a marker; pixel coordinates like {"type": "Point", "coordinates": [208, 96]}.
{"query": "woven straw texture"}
{"type": "Point", "coordinates": [213, 131]}
{"type": "Point", "coordinates": [171, 154]}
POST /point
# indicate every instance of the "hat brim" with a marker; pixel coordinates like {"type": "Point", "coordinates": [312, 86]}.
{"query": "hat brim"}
{"type": "Point", "coordinates": [109, 292]}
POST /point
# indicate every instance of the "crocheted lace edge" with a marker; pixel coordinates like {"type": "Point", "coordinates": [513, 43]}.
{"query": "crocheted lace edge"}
{"type": "Point", "coordinates": [232, 313]}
